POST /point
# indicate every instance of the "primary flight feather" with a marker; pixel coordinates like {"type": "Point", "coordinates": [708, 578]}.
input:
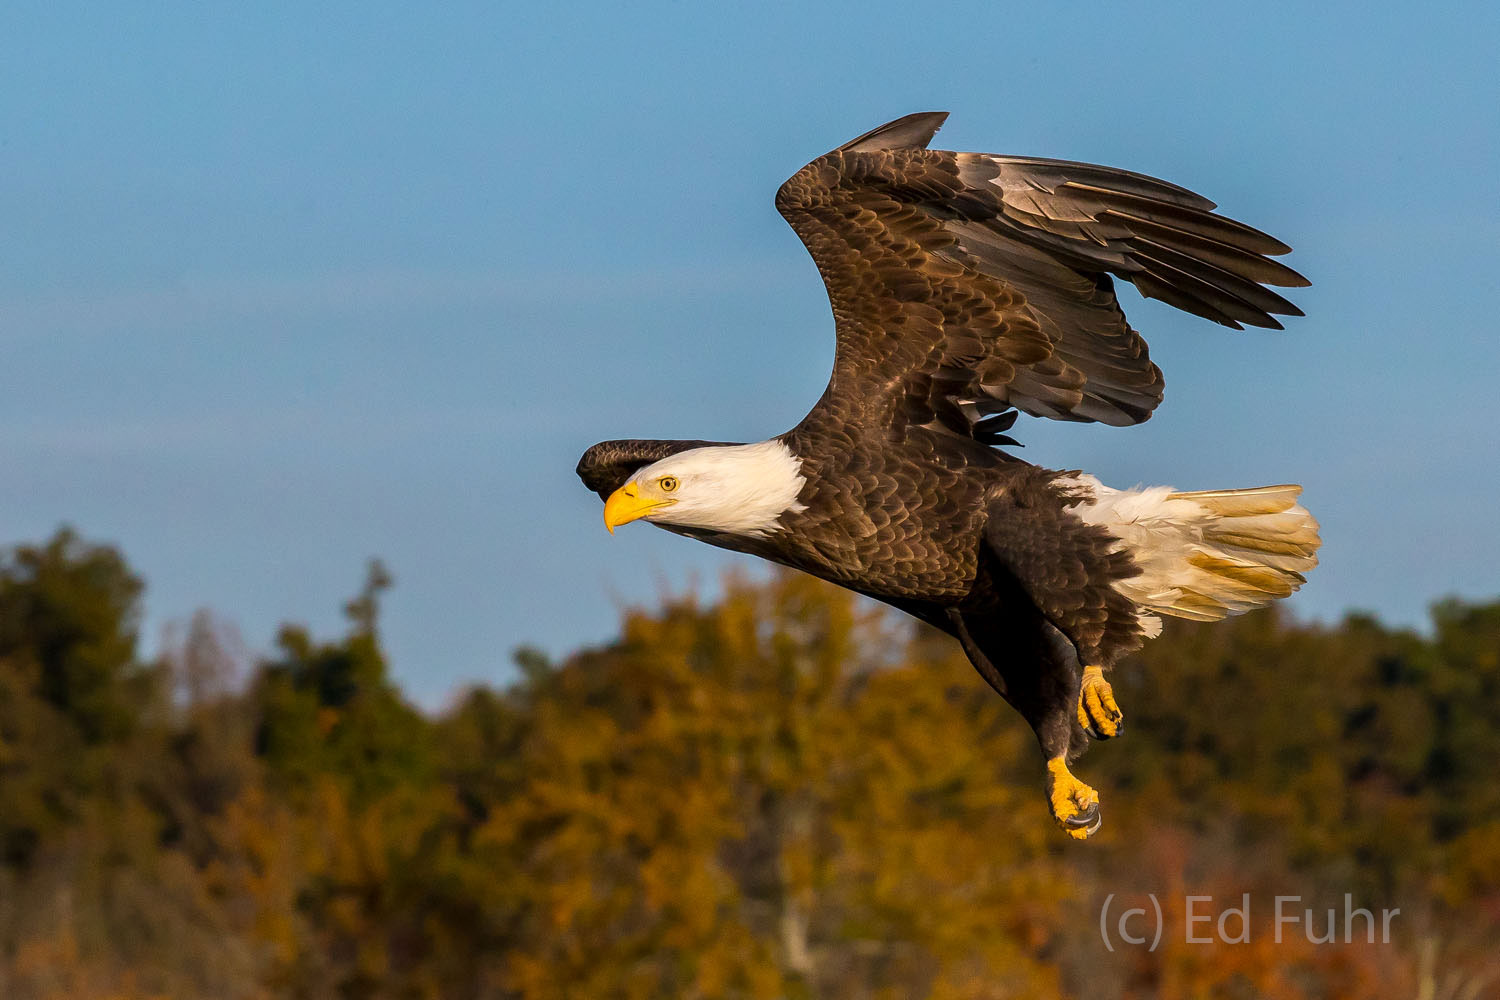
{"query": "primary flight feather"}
{"type": "Point", "coordinates": [966, 287]}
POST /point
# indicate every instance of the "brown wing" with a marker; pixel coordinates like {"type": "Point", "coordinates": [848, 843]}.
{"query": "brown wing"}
{"type": "Point", "coordinates": [964, 284]}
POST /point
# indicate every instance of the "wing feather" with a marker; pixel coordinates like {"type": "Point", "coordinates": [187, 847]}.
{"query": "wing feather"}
{"type": "Point", "coordinates": [967, 284]}
{"type": "Point", "coordinates": [1248, 292]}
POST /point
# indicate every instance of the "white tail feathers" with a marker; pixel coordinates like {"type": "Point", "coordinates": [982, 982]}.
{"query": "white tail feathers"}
{"type": "Point", "coordinates": [1205, 555]}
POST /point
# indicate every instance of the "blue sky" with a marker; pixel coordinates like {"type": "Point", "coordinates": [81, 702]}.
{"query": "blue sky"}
{"type": "Point", "coordinates": [283, 287]}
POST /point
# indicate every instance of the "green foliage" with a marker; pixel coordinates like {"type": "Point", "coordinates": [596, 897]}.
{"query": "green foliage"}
{"type": "Point", "coordinates": [67, 628]}
{"type": "Point", "coordinates": [330, 709]}
{"type": "Point", "coordinates": [69, 684]}
{"type": "Point", "coordinates": [786, 794]}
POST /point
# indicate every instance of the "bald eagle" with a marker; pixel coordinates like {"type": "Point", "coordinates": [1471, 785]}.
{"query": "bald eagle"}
{"type": "Point", "coordinates": [968, 287]}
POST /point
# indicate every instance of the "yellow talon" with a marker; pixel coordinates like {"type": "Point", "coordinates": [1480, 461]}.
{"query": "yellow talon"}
{"type": "Point", "coordinates": [1075, 805]}
{"type": "Point", "coordinates": [1097, 711]}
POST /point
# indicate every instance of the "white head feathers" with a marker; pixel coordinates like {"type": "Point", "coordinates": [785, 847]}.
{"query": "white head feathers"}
{"type": "Point", "coordinates": [741, 489]}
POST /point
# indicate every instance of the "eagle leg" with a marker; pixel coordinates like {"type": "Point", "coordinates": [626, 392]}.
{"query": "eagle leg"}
{"type": "Point", "coordinates": [1098, 713]}
{"type": "Point", "coordinates": [1038, 677]}
{"type": "Point", "coordinates": [1066, 568]}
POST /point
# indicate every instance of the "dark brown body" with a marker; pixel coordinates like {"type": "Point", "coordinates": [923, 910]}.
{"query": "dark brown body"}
{"type": "Point", "coordinates": [951, 538]}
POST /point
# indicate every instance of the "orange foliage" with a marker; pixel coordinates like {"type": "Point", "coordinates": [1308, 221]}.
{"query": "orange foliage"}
{"type": "Point", "coordinates": [786, 794]}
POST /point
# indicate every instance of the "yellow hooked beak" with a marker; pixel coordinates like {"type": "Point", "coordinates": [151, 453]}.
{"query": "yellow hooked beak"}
{"type": "Point", "coordinates": [626, 504]}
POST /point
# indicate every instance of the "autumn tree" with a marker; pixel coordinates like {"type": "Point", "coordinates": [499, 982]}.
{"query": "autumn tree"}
{"type": "Point", "coordinates": [788, 792]}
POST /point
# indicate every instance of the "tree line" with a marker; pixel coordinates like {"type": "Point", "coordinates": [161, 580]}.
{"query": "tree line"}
{"type": "Point", "coordinates": [786, 792]}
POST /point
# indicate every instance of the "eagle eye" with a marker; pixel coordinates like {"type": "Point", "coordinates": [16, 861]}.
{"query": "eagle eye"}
{"type": "Point", "coordinates": [667, 483]}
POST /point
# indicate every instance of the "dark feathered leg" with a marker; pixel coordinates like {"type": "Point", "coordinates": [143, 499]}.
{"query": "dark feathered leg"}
{"type": "Point", "coordinates": [1029, 662]}
{"type": "Point", "coordinates": [1068, 569]}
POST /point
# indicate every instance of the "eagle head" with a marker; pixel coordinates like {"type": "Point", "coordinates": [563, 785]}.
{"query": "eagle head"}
{"type": "Point", "coordinates": [738, 489]}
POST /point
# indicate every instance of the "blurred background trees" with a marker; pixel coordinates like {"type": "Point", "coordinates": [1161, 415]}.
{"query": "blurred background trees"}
{"type": "Point", "coordinates": [786, 793]}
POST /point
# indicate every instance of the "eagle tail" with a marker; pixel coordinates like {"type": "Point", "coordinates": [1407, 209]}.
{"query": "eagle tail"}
{"type": "Point", "coordinates": [1209, 554]}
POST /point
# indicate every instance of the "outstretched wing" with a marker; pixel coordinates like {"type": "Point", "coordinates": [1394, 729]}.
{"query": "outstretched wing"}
{"type": "Point", "coordinates": [965, 284]}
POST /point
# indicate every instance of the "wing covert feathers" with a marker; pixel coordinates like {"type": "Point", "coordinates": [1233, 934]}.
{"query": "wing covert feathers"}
{"type": "Point", "coordinates": [968, 284]}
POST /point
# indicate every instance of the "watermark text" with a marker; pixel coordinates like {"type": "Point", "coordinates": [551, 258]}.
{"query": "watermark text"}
{"type": "Point", "coordinates": [1213, 920]}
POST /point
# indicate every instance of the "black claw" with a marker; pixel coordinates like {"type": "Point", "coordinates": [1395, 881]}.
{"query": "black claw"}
{"type": "Point", "coordinates": [1096, 734]}
{"type": "Point", "coordinates": [1088, 818]}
